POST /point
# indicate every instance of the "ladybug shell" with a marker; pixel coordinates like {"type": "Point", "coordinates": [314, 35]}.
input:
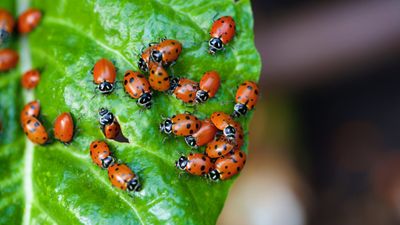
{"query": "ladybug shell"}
{"type": "Point", "coordinates": [186, 90]}
{"type": "Point", "coordinates": [34, 130]}
{"type": "Point", "coordinates": [221, 120]}
{"type": "Point", "coordinates": [99, 150]}
{"type": "Point", "coordinates": [7, 21]}
{"type": "Point", "coordinates": [104, 71]}
{"type": "Point", "coordinates": [64, 127]}
{"type": "Point", "coordinates": [230, 164]}
{"type": "Point", "coordinates": [120, 175]}
{"type": "Point", "coordinates": [223, 28]}
{"type": "Point", "coordinates": [206, 133]}
{"type": "Point", "coordinates": [170, 50]}
{"type": "Point", "coordinates": [185, 124]}
{"type": "Point", "coordinates": [247, 94]}
{"type": "Point", "coordinates": [8, 59]}
{"type": "Point", "coordinates": [31, 109]}
{"type": "Point", "coordinates": [29, 20]}
{"type": "Point", "coordinates": [218, 148]}
{"type": "Point", "coordinates": [198, 164]}
{"type": "Point", "coordinates": [239, 135]}
{"type": "Point", "coordinates": [136, 84]}
{"type": "Point", "coordinates": [210, 83]}
{"type": "Point", "coordinates": [159, 78]}
{"type": "Point", "coordinates": [30, 79]}
{"type": "Point", "coordinates": [112, 130]}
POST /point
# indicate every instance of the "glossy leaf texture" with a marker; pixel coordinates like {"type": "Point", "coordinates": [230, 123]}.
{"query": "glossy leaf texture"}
{"type": "Point", "coordinates": [58, 183]}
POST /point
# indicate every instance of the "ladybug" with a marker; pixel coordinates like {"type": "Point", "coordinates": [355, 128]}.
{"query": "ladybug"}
{"type": "Point", "coordinates": [225, 123]}
{"type": "Point", "coordinates": [228, 166]}
{"type": "Point", "coordinates": [8, 59]}
{"type": "Point", "coordinates": [186, 90]}
{"type": "Point", "coordinates": [64, 128]}
{"type": "Point", "coordinates": [122, 177]}
{"type": "Point", "coordinates": [196, 164]}
{"type": "Point", "coordinates": [144, 59]}
{"type": "Point", "coordinates": [101, 154]}
{"type": "Point", "coordinates": [222, 31]}
{"type": "Point", "coordinates": [159, 78]}
{"type": "Point", "coordinates": [31, 109]}
{"type": "Point", "coordinates": [7, 24]}
{"type": "Point", "coordinates": [29, 20]}
{"type": "Point", "coordinates": [205, 134]}
{"type": "Point", "coordinates": [209, 85]}
{"type": "Point", "coordinates": [104, 75]}
{"type": "Point", "coordinates": [246, 98]}
{"type": "Point", "coordinates": [109, 125]}
{"type": "Point", "coordinates": [137, 86]}
{"type": "Point", "coordinates": [30, 79]}
{"type": "Point", "coordinates": [34, 130]}
{"type": "Point", "coordinates": [166, 52]}
{"type": "Point", "coordinates": [219, 147]}
{"type": "Point", "coordinates": [181, 125]}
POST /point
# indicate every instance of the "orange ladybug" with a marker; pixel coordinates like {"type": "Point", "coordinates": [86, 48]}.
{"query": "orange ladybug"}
{"type": "Point", "coordinates": [159, 78]}
{"type": "Point", "coordinates": [166, 52]}
{"type": "Point", "coordinates": [181, 125]}
{"type": "Point", "coordinates": [122, 177]}
{"type": "Point", "coordinates": [29, 20]}
{"type": "Point", "coordinates": [205, 134]}
{"type": "Point", "coordinates": [7, 24]}
{"type": "Point", "coordinates": [222, 31]}
{"type": "Point", "coordinates": [64, 127]}
{"type": "Point", "coordinates": [30, 79]}
{"type": "Point", "coordinates": [104, 75]}
{"type": "Point", "coordinates": [137, 86]}
{"type": "Point", "coordinates": [101, 154]}
{"type": "Point", "coordinates": [186, 90]}
{"type": "Point", "coordinates": [8, 59]}
{"type": "Point", "coordinates": [31, 109]}
{"type": "Point", "coordinates": [219, 147]}
{"type": "Point", "coordinates": [34, 130]}
{"type": "Point", "coordinates": [209, 85]}
{"type": "Point", "coordinates": [228, 166]}
{"type": "Point", "coordinates": [196, 164]}
{"type": "Point", "coordinates": [225, 123]}
{"type": "Point", "coordinates": [109, 125]}
{"type": "Point", "coordinates": [144, 59]}
{"type": "Point", "coordinates": [246, 98]}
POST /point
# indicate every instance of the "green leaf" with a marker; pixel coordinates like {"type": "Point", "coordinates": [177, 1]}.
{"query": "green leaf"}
{"type": "Point", "coordinates": [58, 184]}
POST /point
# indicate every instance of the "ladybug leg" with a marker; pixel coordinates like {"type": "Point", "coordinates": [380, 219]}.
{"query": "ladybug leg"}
{"type": "Point", "coordinates": [215, 17]}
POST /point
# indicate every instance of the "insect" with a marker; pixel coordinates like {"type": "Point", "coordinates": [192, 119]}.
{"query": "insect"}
{"type": "Point", "coordinates": [222, 32]}
{"type": "Point", "coordinates": [64, 127]}
{"type": "Point", "coordinates": [29, 20]}
{"type": "Point", "coordinates": [159, 78]}
{"type": "Point", "coordinates": [30, 79]}
{"type": "Point", "coordinates": [166, 52]}
{"type": "Point", "coordinates": [144, 59]}
{"type": "Point", "coordinates": [122, 177]}
{"type": "Point", "coordinates": [104, 75]}
{"type": "Point", "coordinates": [195, 163]}
{"type": "Point", "coordinates": [137, 86]}
{"type": "Point", "coordinates": [186, 90]}
{"type": "Point", "coordinates": [109, 125]}
{"type": "Point", "coordinates": [101, 154]}
{"type": "Point", "coordinates": [225, 123]}
{"type": "Point", "coordinates": [34, 130]}
{"type": "Point", "coordinates": [181, 125]}
{"type": "Point", "coordinates": [209, 85]}
{"type": "Point", "coordinates": [246, 98]}
{"type": "Point", "coordinates": [7, 24]}
{"type": "Point", "coordinates": [219, 147]}
{"type": "Point", "coordinates": [205, 134]}
{"type": "Point", "coordinates": [8, 59]}
{"type": "Point", "coordinates": [228, 166]}
{"type": "Point", "coordinates": [31, 109]}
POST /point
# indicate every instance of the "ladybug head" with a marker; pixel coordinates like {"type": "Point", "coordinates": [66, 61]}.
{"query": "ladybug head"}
{"type": "Point", "coordinates": [174, 81]}
{"type": "Point", "coordinates": [214, 45]}
{"type": "Point", "coordinates": [181, 163]}
{"type": "Point", "coordinates": [106, 87]}
{"type": "Point", "coordinates": [142, 65]}
{"type": "Point", "coordinates": [239, 110]}
{"type": "Point", "coordinates": [134, 185]}
{"type": "Point", "coordinates": [108, 161]}
{"type": "Point", "coordinates": [191, 141]}
{"type": "Point", "coordinates": [230, 132]}
{"type": "Point", "coordinates": [166, 126]}
{"type": "Point", "coordinates": [156, 56]}
{"type": "Point", "coordinates": [214, 175]}
{"type": "Point", "coordinates": [106, 117]}
{"type": "Point", "coordinates": [145, 100]}
{"type": "Point", "coordinates": [201, 96]}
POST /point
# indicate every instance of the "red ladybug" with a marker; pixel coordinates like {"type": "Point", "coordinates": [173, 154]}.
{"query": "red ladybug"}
{"type": "Point", "coordinates": [225, 123]}
{"type": "Point", "coordinates": [159, 78]}
{"type": "Point", "coordinates": [209, 85]}
{"type": "Point", "coordinates": [31, 109]}
{"type": "Point", "coordinates": [144, 59]}
{"type": "Point", "coordinates": [122, 177]}
{"type": "Point", "coordinates": [222, 31]}
{"type": "Point", "coordinates": [104, 75]}
{"type": "Point", "coordinates": [137, 86]}
{"type": "Point", "coordinates": [101, 154]}
{"type": "Point", "coordinates": [64, 128]}
{"type": "Point", "coordinates": [29, 20]}
{"type": "Point", "coordinates": [196, 164]}
{"type": "Point", "coordinates": [166, 52]}
{"type": "Point", "coordinates": [30, 79]}
{"type": "Point", "coordinates": [109, 125]}
{"type": "Point", "coordinates": [181, 125]}
{"type": "Point", "coordinates": [228, 166]}
{"type": "Point", "coordinates": [246, 98]}
{"type": "Point", "coordinates": [34, 130]}
{"type": "Point", "coordinates": [219, 147]}
{"type": "Point", "coordinates": [205, 134]}
{"type": "Point", "coordinates": [7, 24]}
{"type": "Point", "coordinates": [186, 90]}
{"type": "Point", "coordinates": [8, 59]}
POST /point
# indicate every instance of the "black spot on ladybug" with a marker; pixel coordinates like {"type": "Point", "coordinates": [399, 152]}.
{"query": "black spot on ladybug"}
{"type": "Point", "coordinates": [116, 169]}
{"type": "Point", "coordinates": [203, 158]}
{"type": "Point", "coordinates": [191, 154]}
{"type": "Point", "coordinates": [176, 50]}
{"type": "Point", "coordinates": [152, 71]}
{"type": "Point", "coordinates": [160, 74]}
{"type": "Point", "coordinates": [230, 25]}
{"type": "Point", "coordinates": [112, 176]}
{"type": "Point", "coordinates": [187, 117]}
{"type": "Point", "coordinates": [188, 126]}
{"type": "Point", "coordinates": [190, 169]}
{"type": "Point", "coordinates": [175, 131]}
{"type": "Point", "coordinates": [166, 78]}
{"type": "Point", "coordinates": [190, 101]}
{"type": "Point", "coordinates": [219, 153]}
{"type": "Point", "coordinates": [159, 82]}
{"type": "Point", "coordinates": [173, 43]}
{"type": "Point", "coordinates": [140, 76]}
{"type": "Point", "coordinates": [190, 95]}
{"type": "Point", "coordinates": [229, 173]}
{"type": "Point", "coordinates": [131, 80]}
{"type": "Point", "coordinates": [202, 168]}
{"type": "Point", "coordinates": [218, 114]}
{"type": "Point", "coordinates": [238, 169]}
{"type": "Point", "coordinates": [256, 92]}
{"type": "Point", "coordinates": [215, 146]}
{"type": "Point", "coordinates": [226, 167]}
{"type": "Point", "coordinates": [222, 21]}
{"type": "Point", "coordinates": [95, 146]}
{"type": "Point", "coordinates": [125, 82]}
{"type": "Point", "coordinates": [191, 131]}
{"type": "Point", "coordinates": [28, 122]}
{"type": "Point", "coordinates": [197, 125]}
{"type": "Point", "coordinates": [241, 154]}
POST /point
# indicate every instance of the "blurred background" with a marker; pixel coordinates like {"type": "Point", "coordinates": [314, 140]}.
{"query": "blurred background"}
{"type": "Point", "coordinates": [325, 138]}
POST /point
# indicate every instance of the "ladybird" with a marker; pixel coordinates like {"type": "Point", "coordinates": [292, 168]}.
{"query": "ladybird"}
{"type": "Point", "coordinates": [144, 59]}
{"type": "Point", "coordinates": [104, 75]}
{"type": "Point", "coordinates": [159, 78]}
{"type": "Point", "coordinates": [222, 31]}
{"type": "Point", "coordinates": [8, 59]}
{"type": "Point", "coordinates": [7, 24]}
{"type": "Point", "coordinates": [101, 154]}
{"type": "Point", "coordinates": [225, 123]}
{"type": "Point", "coordinates": [186, 90]}
{"type": "Point", "coordinates": [205, 134]}
{"type": "Point", "coordinates": [30, 79]}
{"type": "Point", "coordinates": [29, 20]}
{"type": "Point", "coordinates": [228, 166]}
{"type": "Point", "coordinates": [64, 127]}
{"type": "Point", "coordinates": [166, 52]}
{"type": "Point", "coordinates": [138, 87]}
{"type": "Point", "coordinates": [111, 131]}
{"type": "Point", "coordinates": [246, 98]}
{"type": "Point", "coordinates": [195, 163]}
{"type": "Point", "coordinates": [181, 125]}
{"type": "Point", "coordinates": [219, 147]}
{"type": "Point", "coordinates": [209, 85]}
{"type": "Point", "coordinates": [31, 109]}
{"type": "Point", "coordinates": [122, 177]}
{"type": "Point", "coordinates": [34, 130]}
